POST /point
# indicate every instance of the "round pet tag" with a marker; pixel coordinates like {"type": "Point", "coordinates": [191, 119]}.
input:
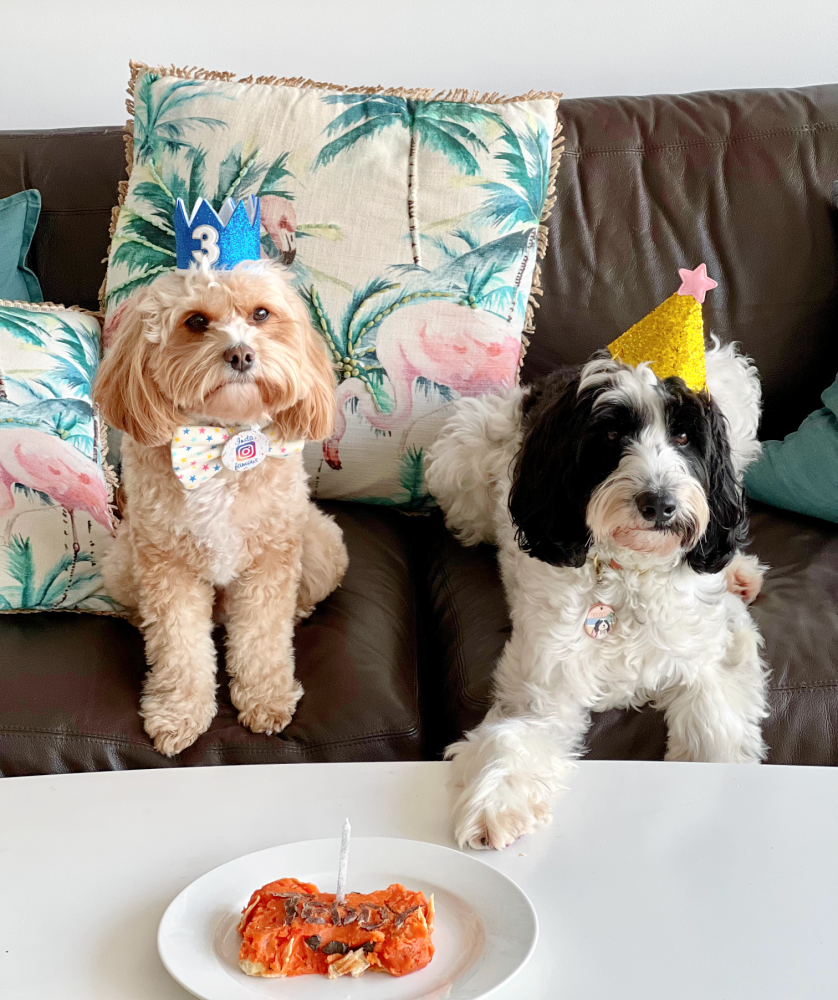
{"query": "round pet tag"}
{"type": "Point", "coordinates": [245, 450]}
{"type": "Point", "coordinates": [600, 621]}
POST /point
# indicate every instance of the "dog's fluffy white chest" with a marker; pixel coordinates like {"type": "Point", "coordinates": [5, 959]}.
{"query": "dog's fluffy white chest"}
{"type": "Point", "coordinates": [668, 625]}
{"type": "Point", "coordinates": [208, 512]}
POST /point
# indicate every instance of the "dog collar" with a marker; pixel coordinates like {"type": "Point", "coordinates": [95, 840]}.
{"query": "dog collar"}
{"type": "Point", "coordinates": [613, 564]}
{"type": "Point", "coordinates": [198, 453]}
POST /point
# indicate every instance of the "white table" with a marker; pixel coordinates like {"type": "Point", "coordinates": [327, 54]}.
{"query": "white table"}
{"type": "Point", "coordinates": [674, 881]}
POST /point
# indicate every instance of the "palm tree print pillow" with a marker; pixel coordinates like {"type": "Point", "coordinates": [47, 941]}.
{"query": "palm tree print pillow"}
{"type": "Point", "coordinates": [55, 519]}
{"type": "Point", "coordinates": [412, 225]}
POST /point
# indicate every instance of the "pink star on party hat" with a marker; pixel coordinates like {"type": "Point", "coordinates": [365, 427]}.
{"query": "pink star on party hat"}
{"type": "Point", "coordinates": [696, 283]}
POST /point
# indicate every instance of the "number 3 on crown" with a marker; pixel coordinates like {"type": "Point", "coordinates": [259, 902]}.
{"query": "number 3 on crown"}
{"type": "Point", "coordinates": [209, 244]}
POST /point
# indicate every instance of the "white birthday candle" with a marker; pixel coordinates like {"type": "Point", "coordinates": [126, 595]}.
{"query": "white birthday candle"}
{"type": "Point", "coordinates": [343, 863]}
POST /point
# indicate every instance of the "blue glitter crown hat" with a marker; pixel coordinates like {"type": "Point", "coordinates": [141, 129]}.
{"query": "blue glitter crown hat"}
{"type": "Point", "coordinates": [224, 238]}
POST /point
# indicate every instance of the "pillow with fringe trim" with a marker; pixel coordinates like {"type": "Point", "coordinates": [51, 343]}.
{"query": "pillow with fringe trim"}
{"type": "Point", "coordinates": [55, 485]}
{"type": "Point", "coordinates": [412, 222]}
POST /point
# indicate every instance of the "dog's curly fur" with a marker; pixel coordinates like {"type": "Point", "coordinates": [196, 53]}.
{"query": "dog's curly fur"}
{"type": "Point", "coordinates": [559, 476]}
{"type": "Point", "coordinates": [254, 535]}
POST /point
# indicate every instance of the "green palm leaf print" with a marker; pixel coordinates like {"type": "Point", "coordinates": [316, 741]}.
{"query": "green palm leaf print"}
{"type": "Point", "coordinates": [54, 587]}
{"type": "Point", "coordinates": [156, 129]}
{"type": "Point", "coordinates": [439, 125]}
{"type": "Point", "coordinates": [526, 159]}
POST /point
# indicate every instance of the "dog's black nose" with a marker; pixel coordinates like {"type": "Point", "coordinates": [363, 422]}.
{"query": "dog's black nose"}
{"type": "Point", "coordinates": [657, 507]}
{"type": "Point", "coordinates": [240, 357]}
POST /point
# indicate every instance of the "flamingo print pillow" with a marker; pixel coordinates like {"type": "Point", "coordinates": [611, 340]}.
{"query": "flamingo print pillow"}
{"type": "Point", "coordinates": [54, 516]}
{"type": "Point", "coordinates": [412, 225]}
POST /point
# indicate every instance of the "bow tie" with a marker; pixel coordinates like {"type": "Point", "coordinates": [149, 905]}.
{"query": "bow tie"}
{"type": "Point", "coordinates": [198, 453]}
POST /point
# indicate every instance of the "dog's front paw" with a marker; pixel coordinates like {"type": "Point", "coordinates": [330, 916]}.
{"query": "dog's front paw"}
{"type": "Point", "coordinates": [499, 798]}
{"type": "Point", "coordinates": [269, 714]}
{"type": "Point", "coordinates": [744, 576]}
{"type": "Point", "coordinates": [304, 610]}
{"type": "Point", "coordinates": [490, 825]}
{"type": "Point", "coordinates": [172, 733]}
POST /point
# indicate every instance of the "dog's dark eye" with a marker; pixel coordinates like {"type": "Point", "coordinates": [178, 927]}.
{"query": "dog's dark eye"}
{"type": "Point", "coordinates": [260, 315]}
{"type": "Point", "coordinates": [681, 439]}
{"type": "Point", "coordinates": [197, 322]}
{"type": "Point", "coordinates": [612, 435]}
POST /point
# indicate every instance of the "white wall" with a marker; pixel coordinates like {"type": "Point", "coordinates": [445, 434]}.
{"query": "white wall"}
{"type": "Point", "coordinates": [63, 63]}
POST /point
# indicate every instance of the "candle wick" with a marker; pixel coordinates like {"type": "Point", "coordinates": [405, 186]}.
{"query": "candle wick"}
{"type": "Point", "coordinates": [343, 862]}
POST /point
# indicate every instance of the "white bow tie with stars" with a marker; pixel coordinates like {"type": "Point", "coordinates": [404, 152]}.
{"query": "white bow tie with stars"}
{"type": "Point", "coordinates": [198, 453]}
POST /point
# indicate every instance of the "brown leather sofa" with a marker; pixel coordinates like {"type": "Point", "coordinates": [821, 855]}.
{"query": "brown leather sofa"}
{"type": "Point", "coordinates": [398, 661]}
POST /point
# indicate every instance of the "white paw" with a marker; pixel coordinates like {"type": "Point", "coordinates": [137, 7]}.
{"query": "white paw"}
{"type": "Point", "coordinates": [504, 775]}
{"type": "Point", "coordinates": [489, 827]}
{"type": "Point", "coordinates": [744, 578]}
{"type": "Point", "coordinates": [495, 804]}
{"type": "Point", "coordinates": [270, 714]}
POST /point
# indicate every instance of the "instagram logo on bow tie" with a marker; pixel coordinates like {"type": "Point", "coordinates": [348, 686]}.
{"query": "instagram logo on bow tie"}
{"type": "Point", "coordinates": [245, 450]}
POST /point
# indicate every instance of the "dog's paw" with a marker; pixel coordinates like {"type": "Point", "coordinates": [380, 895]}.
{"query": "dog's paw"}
{"type": "Point", "coordinates": [488, 828]}
{"type": "Point", "coordinates": [175, 725]}
{"type": "Point", "coordinates": [271, 714]}
{"type": "Point", "coordinates": [303, 610]}
{"type": "Point", "coordinates": [171, 734]}
{"type": "Point", "coordinates": [744, 576]}
{"type": "Point", "coordinates": [504, 781]}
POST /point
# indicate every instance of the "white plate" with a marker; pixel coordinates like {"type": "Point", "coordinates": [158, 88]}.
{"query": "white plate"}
{"type": "Point", "coordinates": [485, 928]}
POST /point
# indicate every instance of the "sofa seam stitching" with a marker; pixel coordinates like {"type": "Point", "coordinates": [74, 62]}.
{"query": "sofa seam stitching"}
{"type": "Point", "coordinates": [804, 130]}
{"type": "Point", "coordinates": [122, 741]}
{"type": "Point", "coordinates": [814, 686]}
{"type": "Point", "coordinates": [45, 135]}
{"type": "Point", "coordinates": [313, 747]}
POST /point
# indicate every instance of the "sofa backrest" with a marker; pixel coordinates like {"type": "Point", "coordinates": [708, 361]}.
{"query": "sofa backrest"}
{"type": "Point", "coordinates": [739, 179]}
{"type": "Point", "coordinates": [77, 172]}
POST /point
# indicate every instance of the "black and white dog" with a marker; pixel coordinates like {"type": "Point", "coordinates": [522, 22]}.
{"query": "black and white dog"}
{"type": "Point", "coordinates": [616, 495]}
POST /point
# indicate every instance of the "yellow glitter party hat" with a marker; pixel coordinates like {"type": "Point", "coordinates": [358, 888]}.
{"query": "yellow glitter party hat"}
{"type": "Point", "coordinates": [671, 337]}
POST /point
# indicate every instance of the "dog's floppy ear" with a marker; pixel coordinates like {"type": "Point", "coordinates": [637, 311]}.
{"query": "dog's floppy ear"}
{"type": "Point", "coordinates": [728, 526]}
{"type": "Point", "coordinates": [127, 395]}
{"type": "Point", "coordinates": [312, 417]}
{"type": "Point", "coordinates": [546, 502]}
{"type": "Point", "coordinates": [733, 383]}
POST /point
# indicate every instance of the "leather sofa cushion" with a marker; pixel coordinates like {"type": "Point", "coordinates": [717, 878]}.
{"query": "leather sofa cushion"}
{"type": "Point", "coordinates": [70, 684]}
{"type": "Point", "coordinates": [797, 613]}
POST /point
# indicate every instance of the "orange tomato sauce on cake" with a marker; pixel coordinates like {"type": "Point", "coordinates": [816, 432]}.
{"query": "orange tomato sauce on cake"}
{"type": "Point", "coordinates": [290, 928]}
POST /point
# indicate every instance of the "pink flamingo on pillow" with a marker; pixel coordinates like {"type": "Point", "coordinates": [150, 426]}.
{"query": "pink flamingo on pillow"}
{"type": "Point", "coordinates": [46, 463]}
{"type": "Point", "coordinates": [468, 350]}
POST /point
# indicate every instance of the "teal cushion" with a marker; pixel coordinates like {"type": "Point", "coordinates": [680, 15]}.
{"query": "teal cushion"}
{"type": "Point", "coordinates": [18, 218]}
{"type": "Point", "coordinates": [801, 472]}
